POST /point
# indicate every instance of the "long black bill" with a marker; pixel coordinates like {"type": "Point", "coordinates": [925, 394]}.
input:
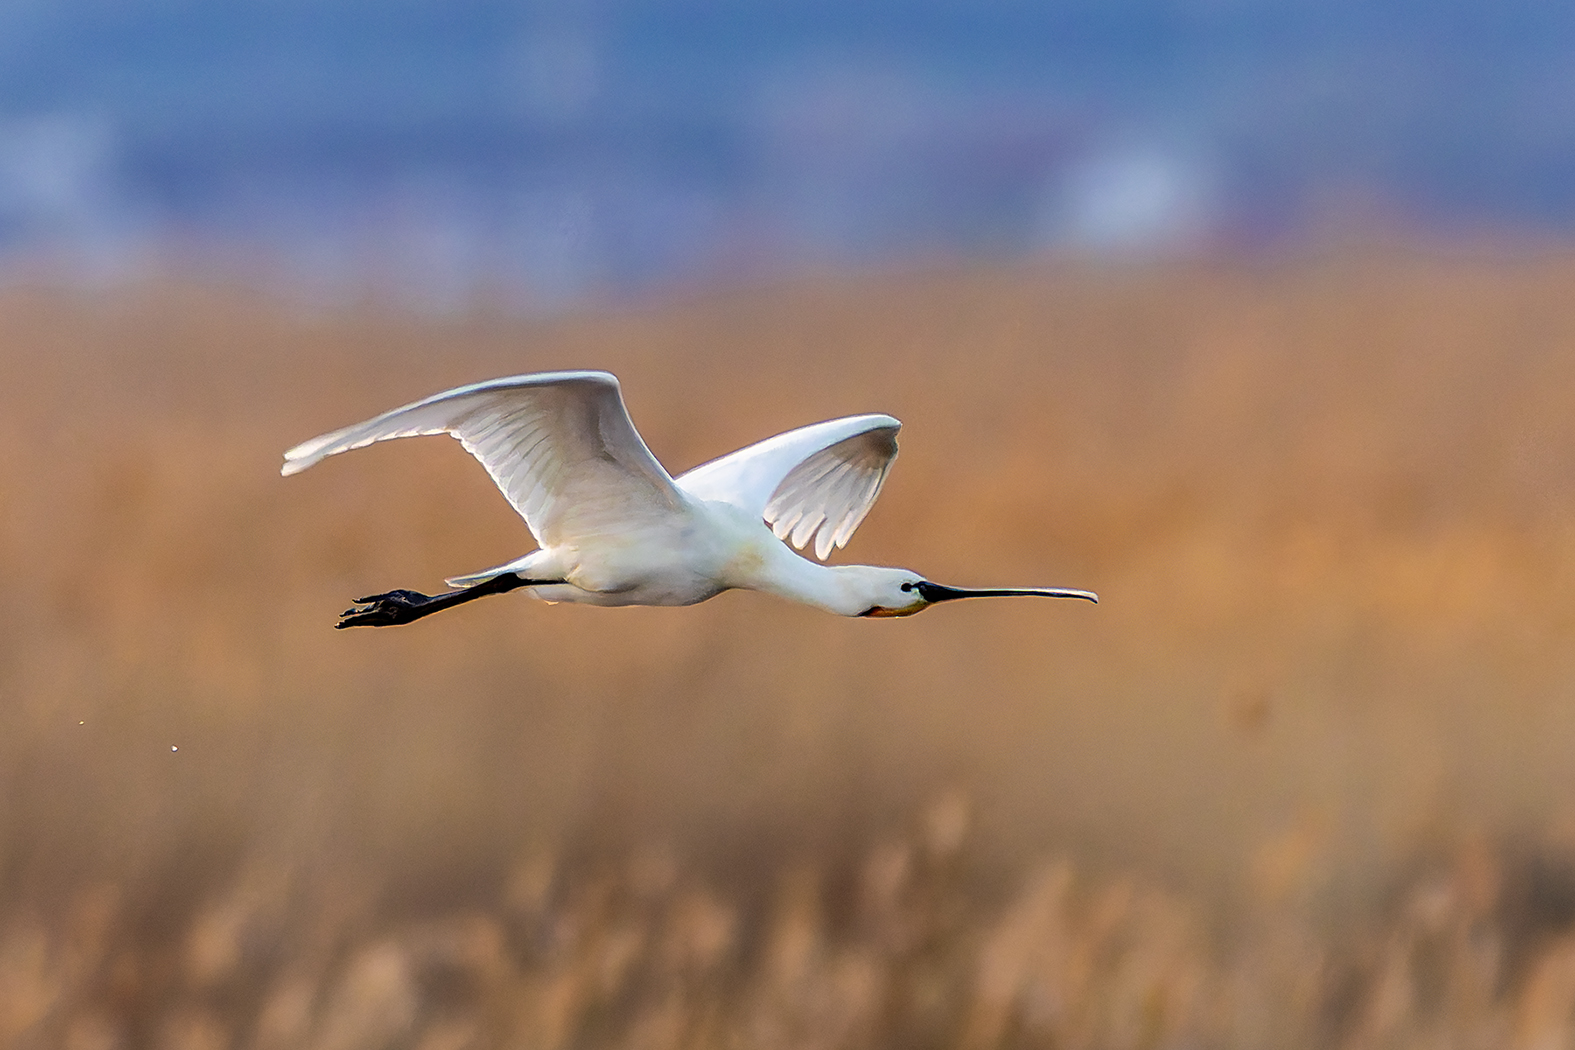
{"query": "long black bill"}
{"type": "Point", "coordinates": [935, 592]}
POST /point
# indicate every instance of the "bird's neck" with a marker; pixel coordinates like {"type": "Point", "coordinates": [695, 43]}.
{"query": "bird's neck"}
{"type": "Point", "coordinates": [834, 588]}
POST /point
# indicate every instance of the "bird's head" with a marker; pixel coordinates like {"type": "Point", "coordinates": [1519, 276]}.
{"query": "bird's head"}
{"type": "Point", "coordinates": [903, 592]}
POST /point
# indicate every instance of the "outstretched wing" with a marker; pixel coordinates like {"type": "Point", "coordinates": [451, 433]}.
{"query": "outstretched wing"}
{"type": "Point", "coordinates": [559, 445]}
{"type": "Point", "coordinates": [819, 480]}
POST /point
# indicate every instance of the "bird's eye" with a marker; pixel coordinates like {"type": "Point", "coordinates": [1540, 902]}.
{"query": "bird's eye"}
{"type": "Point", "coordinates": [907, 586]}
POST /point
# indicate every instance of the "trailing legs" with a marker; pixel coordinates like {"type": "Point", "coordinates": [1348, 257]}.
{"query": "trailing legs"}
{"type": "Point", "coordinates": [397, 607]}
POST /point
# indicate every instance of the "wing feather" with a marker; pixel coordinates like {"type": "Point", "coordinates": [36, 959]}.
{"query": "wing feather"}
{"type": "Point", "coordinates": [559, 445]}
{"type": "Point", "coordinates": [815, 482]}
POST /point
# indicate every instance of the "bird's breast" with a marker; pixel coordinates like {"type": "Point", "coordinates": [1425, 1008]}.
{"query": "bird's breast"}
{"type": "Point", "coordinates": [677, 563]}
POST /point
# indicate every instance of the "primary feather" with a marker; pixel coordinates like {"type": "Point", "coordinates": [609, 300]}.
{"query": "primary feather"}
{"type": "Point", "coordinates": [817, 481]}
{"type": "Point", "coordinates": [559, 445]}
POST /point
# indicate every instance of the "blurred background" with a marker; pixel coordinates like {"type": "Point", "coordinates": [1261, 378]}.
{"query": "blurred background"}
{"type": "Point", "coordinates": [546, 151]}
{"type": "Point", "coordinates": [1255, 317]}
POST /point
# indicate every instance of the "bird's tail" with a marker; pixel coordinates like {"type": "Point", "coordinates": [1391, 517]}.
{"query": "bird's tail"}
{"type": "Point", "coordinates": [532, 566]}
{"type": "Point", "coordinates": [470, 579]}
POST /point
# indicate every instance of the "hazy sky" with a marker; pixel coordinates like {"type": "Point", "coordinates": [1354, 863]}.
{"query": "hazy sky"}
{"type": "Point", "coordinates": [565, 148]}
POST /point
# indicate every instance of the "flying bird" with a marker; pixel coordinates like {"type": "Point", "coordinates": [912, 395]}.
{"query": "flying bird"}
{"type": "Point", "coordinates": [614, 528]}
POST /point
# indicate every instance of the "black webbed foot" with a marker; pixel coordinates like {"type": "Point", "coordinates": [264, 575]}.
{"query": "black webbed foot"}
{"type": "Point", "coordinates": [386, 610]}
{"type": "Point", "coordinates": [396, 607]}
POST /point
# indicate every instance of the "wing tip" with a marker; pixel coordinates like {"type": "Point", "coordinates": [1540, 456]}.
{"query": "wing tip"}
{"type": "Point", "coordinates": [305, 454]}
{"type": "Point", "coordinates": [296, 460]}
{"type": "Point", "coordinates": [309, 453]}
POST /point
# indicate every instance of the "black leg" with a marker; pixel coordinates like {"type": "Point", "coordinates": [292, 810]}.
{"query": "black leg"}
{"type": "Point", "coordinates": [396, 607]}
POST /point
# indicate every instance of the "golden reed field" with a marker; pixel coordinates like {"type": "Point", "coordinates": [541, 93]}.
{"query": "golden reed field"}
{"type": "Point", "coordinates": [1304, 778]}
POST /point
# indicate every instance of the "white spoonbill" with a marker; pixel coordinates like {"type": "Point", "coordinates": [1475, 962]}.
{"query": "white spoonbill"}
{"type": "Point", "coordinates": [615, 529]}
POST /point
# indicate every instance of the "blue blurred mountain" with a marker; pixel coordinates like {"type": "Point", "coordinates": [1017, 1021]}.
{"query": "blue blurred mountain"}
{"type": "Point", "coordinates": [563, 148]}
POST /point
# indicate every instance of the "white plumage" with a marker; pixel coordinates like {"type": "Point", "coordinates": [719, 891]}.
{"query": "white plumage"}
{"type": "Point", "coordinates": [614, 528]}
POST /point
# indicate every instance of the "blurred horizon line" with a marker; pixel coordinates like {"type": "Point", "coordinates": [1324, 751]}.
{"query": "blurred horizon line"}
{"type": "Point", "coordinates": [568, 152]}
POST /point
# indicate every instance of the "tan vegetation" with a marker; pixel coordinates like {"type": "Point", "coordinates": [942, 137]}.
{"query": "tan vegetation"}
{"type": "Point", "coordinates": [1301, 779]}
